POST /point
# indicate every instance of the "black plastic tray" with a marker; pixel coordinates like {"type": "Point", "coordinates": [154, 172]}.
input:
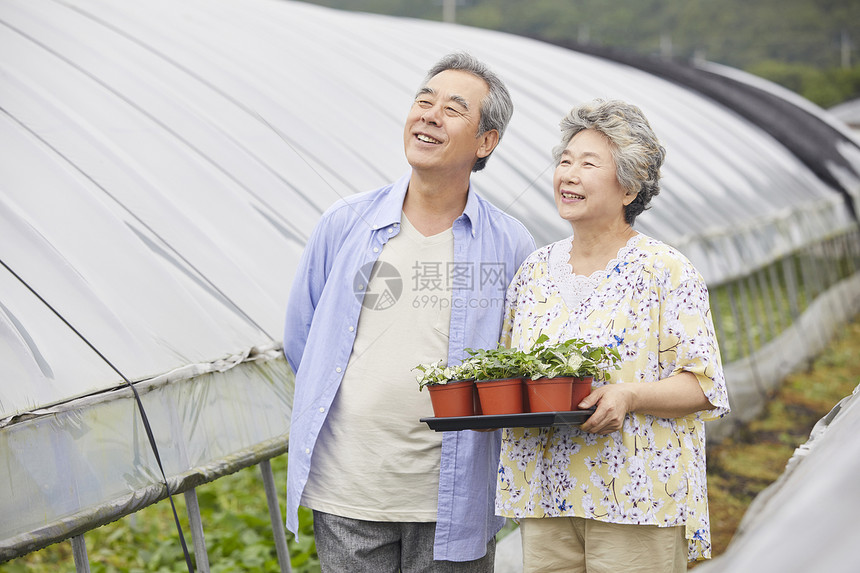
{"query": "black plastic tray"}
{"type": "Point", "coordinates": [527, 420]}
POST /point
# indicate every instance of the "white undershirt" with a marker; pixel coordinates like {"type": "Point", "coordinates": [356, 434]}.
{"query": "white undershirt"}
{"type": "Point", "coordinates": [374, 460]}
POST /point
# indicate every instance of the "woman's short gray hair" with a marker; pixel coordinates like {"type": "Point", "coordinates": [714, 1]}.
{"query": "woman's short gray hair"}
{"type": "Point", "coordinates": [496, 109]}
{"type": "Point", "coordinates": [635, 148]}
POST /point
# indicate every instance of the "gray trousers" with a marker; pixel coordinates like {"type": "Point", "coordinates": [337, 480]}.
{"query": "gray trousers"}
{"type": "Point", "coordinates": [347, 545]}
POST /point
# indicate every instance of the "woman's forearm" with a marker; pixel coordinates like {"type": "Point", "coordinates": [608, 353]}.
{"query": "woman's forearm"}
{"type": "Point", "coordinates": [672, 397]}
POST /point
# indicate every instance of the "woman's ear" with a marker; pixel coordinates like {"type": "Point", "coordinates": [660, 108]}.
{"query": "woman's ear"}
{"type": "Point", "coordinates": [629, 197]}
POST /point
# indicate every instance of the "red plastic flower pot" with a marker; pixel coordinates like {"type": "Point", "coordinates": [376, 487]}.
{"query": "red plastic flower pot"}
{"type": "Point", "coordinates": [550, 394]}
{"type": "Point", "coordinates": [501, 396]}
{"type": "Point", "coordinates": [453, 399]}
{"type": "Point", "coordinates": [581, 389]}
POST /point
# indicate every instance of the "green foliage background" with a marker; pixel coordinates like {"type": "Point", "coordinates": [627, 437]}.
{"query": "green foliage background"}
{"type": "Point", "coordinates": [808, 46]}
{"type": "Point", "coordinates": [235, 523]}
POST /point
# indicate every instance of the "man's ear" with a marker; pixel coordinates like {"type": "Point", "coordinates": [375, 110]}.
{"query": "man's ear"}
{"type": "Point", "coordinates": [489, 141]}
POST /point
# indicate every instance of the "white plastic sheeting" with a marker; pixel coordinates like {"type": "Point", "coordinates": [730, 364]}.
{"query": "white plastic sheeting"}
{"type": "Point", "coordinates": [161, 165]}
{"type": "Point", "coordinates": [807, 519]}
{"type": "Point", "coordinates": [848, 112]}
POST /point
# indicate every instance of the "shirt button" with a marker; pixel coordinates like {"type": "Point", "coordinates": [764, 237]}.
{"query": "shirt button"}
{"type": "Point", "coordinates": [307, 450]}
{"type": "Point", "coordinates": [360, 287]}
{"type": "Point", "coordinates": [390, 230]}
{"type": "Point", "coordinates": [375, 249]}
{"type": "Point", "coordinates": [351, 328]}
{"type": "Point", "coordinates": [322, 410]}
{"type": "Point", "coordinates": [337, 369]}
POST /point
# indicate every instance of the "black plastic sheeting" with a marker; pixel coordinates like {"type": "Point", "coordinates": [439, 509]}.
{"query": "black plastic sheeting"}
{"type": "Point", "coordinates": [812, 135]}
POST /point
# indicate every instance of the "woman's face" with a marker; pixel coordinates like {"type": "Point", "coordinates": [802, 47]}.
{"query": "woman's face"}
{"type": "Point", "coordinates": [587, 191]}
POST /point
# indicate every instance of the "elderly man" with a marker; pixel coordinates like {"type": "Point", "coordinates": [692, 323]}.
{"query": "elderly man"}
{"type": "Point", "coordinates": [413, 272]}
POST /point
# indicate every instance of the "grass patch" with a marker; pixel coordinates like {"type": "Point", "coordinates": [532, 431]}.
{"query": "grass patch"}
{"type": "Point", "coordinates": [235, 523]}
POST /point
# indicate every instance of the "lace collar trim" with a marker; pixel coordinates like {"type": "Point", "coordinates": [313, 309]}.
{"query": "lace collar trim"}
{"type": "Point", "coordinates": [575, 289]}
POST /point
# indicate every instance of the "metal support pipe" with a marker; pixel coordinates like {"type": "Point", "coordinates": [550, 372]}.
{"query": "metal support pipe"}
{"type": "Point", "coordinates": [759, 281]}
{"type": "Point", "coordinates": [788, 273]}
{"type": "Point", "coordinates": [853, 251]}
{"type": "Point", "coordinates": [813, 285]}
{"type": "Point", "coordinates": [449, 11]}
{"type": "Point", "coordinates": [749, 315]}
{"type": "Point", "coordinates": [846, 260]}
{"type": "Point", "coordinates": [717, 316]}
{"type": "Point", "coordinates": [193, 509]}
{"type": "Point", "coordinates": [79, 550]}
{"type": "Point", "coordinates": [779, 299]}
{"type": "Point", "coordinates": [275, 516]}
{"type": "Point", "coordinates": [738, 320]}
{"type": "Point", "coordinates": [834, 248]}
{"type": "Point", "coordinates": [811, 277]}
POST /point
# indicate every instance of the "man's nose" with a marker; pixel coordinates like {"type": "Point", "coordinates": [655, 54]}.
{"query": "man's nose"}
{"type": "Point", "coordinates": [431, 115]}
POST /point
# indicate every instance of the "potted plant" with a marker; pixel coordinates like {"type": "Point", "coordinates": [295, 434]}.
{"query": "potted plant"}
{"type": "Point", "coordinates": [498, 378]}
{"type": "Point", "coordinates": [560, 375]}
{"type": "Point", "coordinates": [451, 388]}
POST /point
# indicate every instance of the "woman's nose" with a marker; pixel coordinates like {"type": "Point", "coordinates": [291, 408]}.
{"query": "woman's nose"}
{"type": "Point", "coordinates": [570, 174]}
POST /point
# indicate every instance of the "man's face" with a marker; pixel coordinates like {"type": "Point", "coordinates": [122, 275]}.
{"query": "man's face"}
{"type": "Point", "coordinates": [441, 129]}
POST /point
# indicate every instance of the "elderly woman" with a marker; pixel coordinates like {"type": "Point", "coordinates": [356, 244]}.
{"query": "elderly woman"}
{"type": "Point", "coordinates": [626, 490]}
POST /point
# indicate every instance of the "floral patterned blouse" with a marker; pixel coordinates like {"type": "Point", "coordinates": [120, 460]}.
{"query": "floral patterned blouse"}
{"type": "Point", "coordinates": [653, 304]}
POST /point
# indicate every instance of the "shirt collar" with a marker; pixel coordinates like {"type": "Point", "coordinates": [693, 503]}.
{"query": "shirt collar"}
{"type": "Point", "coordinates": [470, 213]}
{"type": "Point", "coordinates": [391, 211]}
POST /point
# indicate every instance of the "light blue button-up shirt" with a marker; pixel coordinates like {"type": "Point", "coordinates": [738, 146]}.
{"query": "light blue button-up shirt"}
{"type": "Point", "coordinates": [322, 316]}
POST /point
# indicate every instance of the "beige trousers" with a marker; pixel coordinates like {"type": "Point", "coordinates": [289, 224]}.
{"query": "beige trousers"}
{"type": "Point", "coordinates": [579, 545]}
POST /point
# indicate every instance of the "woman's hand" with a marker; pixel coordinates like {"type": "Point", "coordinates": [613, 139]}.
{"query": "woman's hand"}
{"type": "Point", "coordinates": [672, 397]}
{"type": "Point", "coordinates": [612, 401]}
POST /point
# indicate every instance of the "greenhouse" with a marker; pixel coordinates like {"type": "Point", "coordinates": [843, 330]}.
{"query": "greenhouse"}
{"type": "Point", "coordinates": [162, 164]}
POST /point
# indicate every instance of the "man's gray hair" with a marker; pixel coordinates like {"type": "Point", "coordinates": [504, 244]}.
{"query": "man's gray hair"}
{"type": "Point", "coordinates": [637, 153]}
{"type": "Point", "coordinates": [496, 109]}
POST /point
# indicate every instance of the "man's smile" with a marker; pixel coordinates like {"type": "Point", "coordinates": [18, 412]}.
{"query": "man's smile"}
{"type": "Point", "coordinates": [426, 138]}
